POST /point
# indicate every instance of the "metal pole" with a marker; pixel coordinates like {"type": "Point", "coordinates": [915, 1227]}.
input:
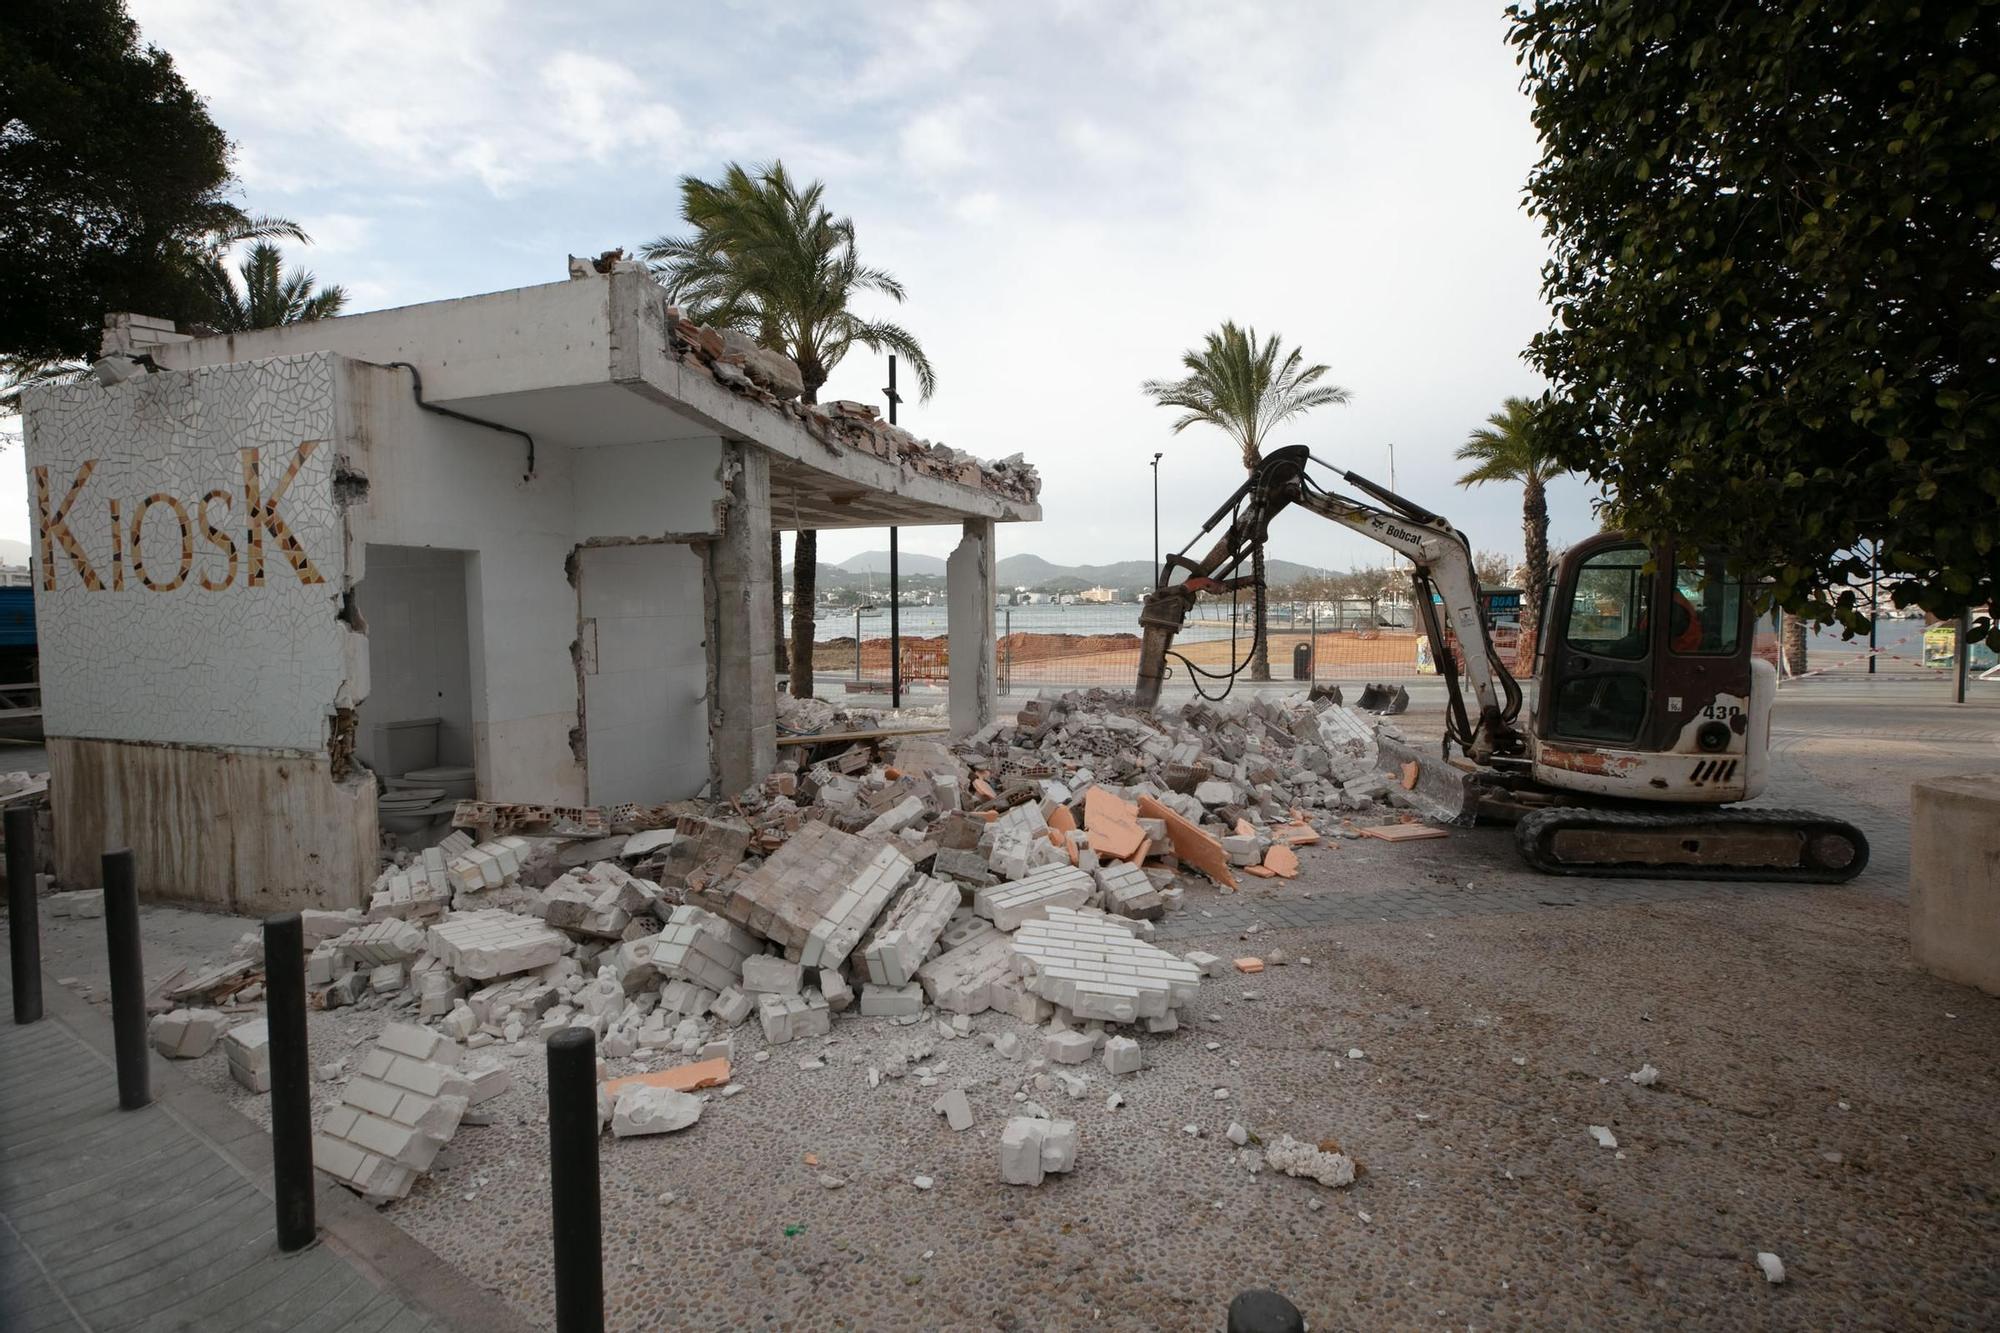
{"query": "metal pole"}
{"type": "Point", "coordinates": [128, 979]}
{"type": "Point", "coordinates": [573, 1184]}
{"type": "Point", "coordinates": [1007, 671]}
{"type": "Point", "coordinates": [24, 923]}
{"type": "Point", "coordinates": [1874, 600]}
{"type": "Point", "coordinates": [1961, 656]}
{"type": "Point", "coordinates": [1156, 520]}
{"type": "Point", "coordinates": [1258, 1311]}
{"type": "Point", "coordinates": [857, 643]}
{"type": "Point", "coordinates": [291, 1084]}
{"type": "Point", "coordinates": [895, 591]}
{"type": "Point", "coordinates": [1312, 663]}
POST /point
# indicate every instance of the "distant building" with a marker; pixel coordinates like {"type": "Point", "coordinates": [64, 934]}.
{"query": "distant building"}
{"type": "Point", "coordinates": [1098, 595]}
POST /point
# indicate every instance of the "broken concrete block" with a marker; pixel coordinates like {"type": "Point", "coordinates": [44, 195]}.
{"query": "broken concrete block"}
{"type": "Point", "coordinates": [248, 1050]}
{"type": "Point", "coordinates": [1091, 965]}
{"type": "Point", "coordinates": [1032, 1148]}
{"type": "Point", "coordinates": [651, 1110]}
{"type": "Point", "coordinates": [703, 948]}
{"type": "Point", "coordinates": [1069, 1048]}
{"type": "Point", "coordinates": [1129, 892]}
{"type": "Point", "coordinates": [971, 978]}
{"type": "Point", "coordinates": [818, 893]}
{"type": "Point", "coordinates": [839, 995]}
{"type": "Point", "coordinates": [1208, 964]}
{"type": "Point", "coordinates": [491, 944]}
{"type": "Point", "coordinates": [789, 1017]}
{"type": "Point", "coordinates": [957, 1112]}
{"type": "Point", "coordinates": [900, 816]}
{"type": "Point", "coordinates": [1021, 1151]}
{"type": "Point", "coordinates": [403, 1104]}
{"type": "Point", "coordinates": [732, 1006]}
{"type": "Point", "coordinates": [686, 999]}
{"type": "Point", "coordinates": [380, 942]}
{"type": "Point", "coordinates": [187, 1034]}
{"type": "Point", "coordinates": [911, 925]}
{"type": "Point", "coordinates": [387, 979]}
{"type": "Point", "coordinates": [1029, 899]}
{"type": "Point", "coordinates": [891, 1001]}
{"type": "Point", "coordinates": [1122, 1055]}
{"type": "Point", "coordinates": [766, 975]}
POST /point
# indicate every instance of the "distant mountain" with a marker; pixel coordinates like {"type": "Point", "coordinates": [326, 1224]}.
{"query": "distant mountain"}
{"type": "Point", "coordinates": [907, 562]}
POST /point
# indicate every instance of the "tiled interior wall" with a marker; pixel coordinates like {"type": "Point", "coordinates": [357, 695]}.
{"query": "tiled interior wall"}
{"type": "Point", "coordinates": [419, 648]}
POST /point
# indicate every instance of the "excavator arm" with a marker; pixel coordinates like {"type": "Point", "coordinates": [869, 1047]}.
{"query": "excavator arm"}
{"type": "Point", "coordinates": [1441, 560]}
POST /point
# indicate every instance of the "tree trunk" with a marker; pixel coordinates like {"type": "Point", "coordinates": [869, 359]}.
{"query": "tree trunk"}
{"type": "Point", "coordinates": [805, 567]}
{"type": "Point", "coordinates": [779, 656]}
{"type": "Point", "coordinates": [1535, 544]}
{"type": "Point", "coordinates": [1260, 655]}
{"type": "Point", "coordinates": [1795, 645]}
{"type": "Point", "coordinates": [805, 592]}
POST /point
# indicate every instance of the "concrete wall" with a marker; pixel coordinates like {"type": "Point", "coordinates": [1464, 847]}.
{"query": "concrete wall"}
{"type": "Point", "coordinates": [433, 481]}
{"type": "Point", "coordinates": [160, 598]}
{"type": "Point", "coordinates": [1955, 879]}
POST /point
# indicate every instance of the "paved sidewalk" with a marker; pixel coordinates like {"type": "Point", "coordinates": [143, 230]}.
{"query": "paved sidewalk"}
{"type": "Point", "coordinates": [147, 1219]}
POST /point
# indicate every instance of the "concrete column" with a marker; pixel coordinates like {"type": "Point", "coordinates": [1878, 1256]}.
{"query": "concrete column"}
{"type": "Point", "coordinates": [742, 696]}
{"type": "Point", "coordinates": [968, 581]}
{"type": "Point", "coordinates": [1955, 879]}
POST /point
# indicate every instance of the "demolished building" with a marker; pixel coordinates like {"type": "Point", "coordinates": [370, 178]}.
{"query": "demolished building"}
{"type": "Point", "coordinates": [514, 546]}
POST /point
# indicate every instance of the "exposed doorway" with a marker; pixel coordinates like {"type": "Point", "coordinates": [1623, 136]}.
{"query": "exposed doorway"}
{"type": "Point", "coordinates": [418, 713]}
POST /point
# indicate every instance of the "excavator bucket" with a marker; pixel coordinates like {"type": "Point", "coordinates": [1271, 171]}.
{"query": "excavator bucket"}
{"type": "Point", "coordinates": [1426, 784]}
{"type": "Point", "coordinates": [1330, 693]}
{"type": "Point", "coordinates": [1383, 699]}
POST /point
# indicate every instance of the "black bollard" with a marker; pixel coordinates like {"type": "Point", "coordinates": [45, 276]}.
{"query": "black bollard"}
{"type": "Point", "coordinates": [573, 1187]}
{"type": "Point", "coordinates": [1260, 1311]}
{"type": "Point", "coordinates": [291, 1084]}
{"type": "Point", "coordinates": [24, 919]}
{"type": "Point", "coordinates": [128, 979]}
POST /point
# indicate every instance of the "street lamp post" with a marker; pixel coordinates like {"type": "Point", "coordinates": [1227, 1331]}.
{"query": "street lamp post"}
{"type": "Point", "coordinates": [1156, 519]}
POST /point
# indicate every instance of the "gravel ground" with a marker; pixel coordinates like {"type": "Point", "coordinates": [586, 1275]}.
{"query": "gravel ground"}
{"type": "Point", "coordinates": [1818, 1098]}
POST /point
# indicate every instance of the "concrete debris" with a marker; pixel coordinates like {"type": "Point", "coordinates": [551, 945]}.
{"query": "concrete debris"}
{"type": "Point", "coordinates": [248, 1050]}
{"type": "Point", "coordinates": [1091, 965]}
{"type": "Point", "coordinates": [1773, 1266]}
{"type": "Point", "coordinates": [187, 1034]}
{"type": "Point", "coordinates": [1645, 1076]}
{"type": "Point", "coordinates": [1032, 1148]}
{"type": "Point", "coordinates": [644, 1109]}
{"type": "Point", "coordinates": [1332, 1169]}
{"type": "Point", "coordinates": [1605, 1138]}
{"type": "Point", "coordinates": [402, 1105]}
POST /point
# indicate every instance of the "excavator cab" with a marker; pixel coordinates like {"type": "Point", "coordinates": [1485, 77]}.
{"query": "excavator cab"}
{"type": "Point", "coordinates": [1647, 688]}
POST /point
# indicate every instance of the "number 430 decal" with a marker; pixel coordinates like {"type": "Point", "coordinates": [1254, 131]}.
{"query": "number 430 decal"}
{"type": "Point", "coordinates": [1723, 711]}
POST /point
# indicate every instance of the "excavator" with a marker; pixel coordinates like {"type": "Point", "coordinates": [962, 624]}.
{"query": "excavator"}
{"type": "Point", "coordinates": [1648, 713]}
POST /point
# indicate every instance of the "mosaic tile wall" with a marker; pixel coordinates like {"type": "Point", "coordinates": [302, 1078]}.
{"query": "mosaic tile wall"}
{"type": "Point", "coordinates": [189, 555]}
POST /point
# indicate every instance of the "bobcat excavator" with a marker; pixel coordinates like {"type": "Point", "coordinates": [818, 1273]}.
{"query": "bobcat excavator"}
{"type": "Point", "coordinates": [1648, 712]}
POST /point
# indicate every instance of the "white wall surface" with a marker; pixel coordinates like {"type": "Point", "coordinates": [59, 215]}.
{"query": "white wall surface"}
{"type": "Point", "coordinates": [419, 654]}
{"type": "Point", "coordinates": [167, 638]}
{"type": "Point", "coordinates": [645, 671]}
{"type": "Point", "coordinates": [648, 490]}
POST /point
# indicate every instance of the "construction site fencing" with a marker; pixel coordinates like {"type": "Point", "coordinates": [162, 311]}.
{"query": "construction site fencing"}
{"type": "Point", "coordinates": [1039, 645]}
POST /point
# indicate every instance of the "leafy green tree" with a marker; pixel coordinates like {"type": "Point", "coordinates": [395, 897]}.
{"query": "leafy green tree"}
{"type": "Point", "coordinates": [1510, 447]}
{"type": "Point", "coordinates": [266, 296]}
{"type": "Point", "coordinates": [766, 257]}
{"type": "Point", "coordinates": [1246, 388]}
{"type": "Point", "coordinates": [1774, 282]}
{"type": "Point", "coordinates": [110, 172]}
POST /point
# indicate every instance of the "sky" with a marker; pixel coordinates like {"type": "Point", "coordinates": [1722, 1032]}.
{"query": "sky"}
{"type": "Point", "coordinates": [1072, 192]}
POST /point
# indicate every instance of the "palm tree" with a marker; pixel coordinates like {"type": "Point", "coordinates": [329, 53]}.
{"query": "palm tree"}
{"type": "Point", "coordinates": [768, 259]}
{"type": "Point", "coordinates": [1246, 388]}
{"type": "Point", "coordinates": [267, 296]}
{"type": "Point", "coordinates": [1509, 447]}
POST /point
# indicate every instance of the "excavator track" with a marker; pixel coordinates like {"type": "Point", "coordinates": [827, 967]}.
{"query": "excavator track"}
{"type": "Point", "coordinates": [1771, 846]}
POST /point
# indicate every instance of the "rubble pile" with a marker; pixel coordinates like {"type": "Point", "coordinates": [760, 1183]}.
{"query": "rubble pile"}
{"type": "Point", "coordinates": [1017, 873]}
{"type": "Point", "coordinates": [736, 361]}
